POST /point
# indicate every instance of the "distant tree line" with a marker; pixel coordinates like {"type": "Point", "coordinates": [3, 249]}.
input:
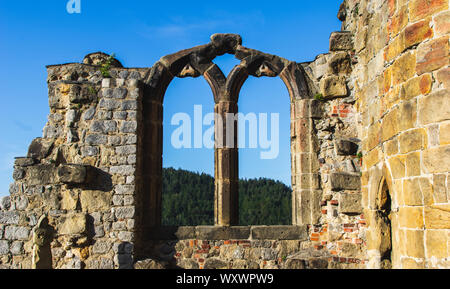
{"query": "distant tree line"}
{"type": "Point", "coordinates": [188, 200]}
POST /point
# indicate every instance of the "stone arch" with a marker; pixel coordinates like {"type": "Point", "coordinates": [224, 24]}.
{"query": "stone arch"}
{"type": "Point", "coordinates": [196, 62]}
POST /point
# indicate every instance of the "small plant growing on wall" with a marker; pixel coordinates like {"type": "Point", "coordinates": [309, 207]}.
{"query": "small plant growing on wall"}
{"type": "Point", "coordinates": [360, 156]}
{"type": "Point", "coordinates": [106, 66]}
{"type": "Point", "coordinates": [93, 91]}
{"type": "Point", "coordinates": [319, 96]}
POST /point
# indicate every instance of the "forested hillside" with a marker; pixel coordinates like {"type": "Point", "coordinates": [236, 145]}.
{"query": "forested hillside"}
{"type": "Point", "coordinates": [188, 199]}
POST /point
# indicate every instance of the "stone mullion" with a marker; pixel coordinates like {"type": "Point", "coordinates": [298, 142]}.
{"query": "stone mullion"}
{"type": "Point", "coordinates": [226, 207]}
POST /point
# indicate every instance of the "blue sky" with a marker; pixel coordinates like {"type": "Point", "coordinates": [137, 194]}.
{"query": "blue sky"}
{"type": "Point", "coordinates": [38, 33]}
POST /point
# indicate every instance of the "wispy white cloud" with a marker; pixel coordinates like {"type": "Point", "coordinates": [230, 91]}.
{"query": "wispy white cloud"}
{"type": "Point", "coordinates": [185, 27]}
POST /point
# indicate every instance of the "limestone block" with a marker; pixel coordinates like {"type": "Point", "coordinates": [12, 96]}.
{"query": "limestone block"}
{"type": "Point", "coordinates": [24, 162]}
{"type": "Point", "coordinates": [95, 201]}
{"type": "Point", "coordinates": [437, 160]}
{"type": "Point", "coordinates": [432, 55]}
{"type": "Point", "coordinates": [16, 233]}
{"type": "Point", "coordinates": [151, 264]}
{"type": "Point", "coordinates": [40, 148]}
{"type": "Point", "coordinates": [4, 247]}
{"type": "Point", "coordinates": [345, 181]}
{"type": "Point", "coordinates": [215, 263]}
{"type": "Point", "coordinates": [350, 203]}
{"type": "Point", "coordinates": [418, 32]}
{"type": "Point", "coordinates": [74, 224]}
{"type": "Point", "coordinates": [437, 217]}
{"type": "Point", "coordinates": [222, 233]}
{"type": "Point", "coordinates": [340, 63]}
{"type": "Point", "coordinates": [411, 217]}
{"type": "Point", "coordinates": [437, 243]}
{"type": "Point", "coordinates": [413, 140]}
{"type": "Point", "coordinates": [415, 243]}
{"type": "Point", "coordinates": [279, 232]}
{"type": "Point", "coordinates": [72, 174]}
{"type": "Point", "coordinates": [333, 86]}
{"type": "Point", "coordinates": [341, 40]}
{"type": "Point", "coordinates": [433, 107]}
{"type": "Point", "coordinates": [9, 218]}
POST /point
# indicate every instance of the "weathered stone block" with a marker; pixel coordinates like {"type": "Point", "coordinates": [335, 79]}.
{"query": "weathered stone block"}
{"type": "Point", "coordinates": [104, 126]}
{"type": "Point", "coordinates": [439, 188]}
{"type": "Point", "coordinates": [95, 201]}
{"type": "Point", "coordinates": [295, 264]}
{"type": "Point", "coordinates": [345, 181]}
{"type": "Point", "coordinates": [279, 232]}
{"type": "Point", "coordinates": [102, 263]}
{"type": "Point", "coordinates": [16, 233]}
{"type": "Point", "coordinates": [222, 233]}
{"type": "Point", "coordinates": [215, 263]}
{"type": "Point", "coordinates": [40, 148]}
{"type": "Point", "coordinates": [24, 162]}
{"type": "Point", "coordinates": [418, 32]}
{"type": "Point", "coordinates": [413, 140]}
{"type": "Point", "coordinates": [340, 63]}
{"type": "Point", "coordinates": [416, 86]}
{"type": "Point", "coordinates": [412, 195]}
{"type": "Point", "coordinates": [128, 127]}
{"type": "Point", "coordinates": [18, 173]}
{"type": "Point", "coordinates": [341, 40]}
{"type": "Point", "coordinates": [4, 247]}
{"type": "Point", "coordinates": [415, 244]}
{"type": "Point", "coordinates": [437, 217]}
{"type": "Point", "coordinates": [398, 21]}
{"type": "Point", "coordinates": [437, 160]}
{"type": "Point", "coordinates": [404, 68]}
{"type": "Point", "coordinates": [420, 9]}
{"type": "Point", "coordinates": [125, 170]}
{"type": "Point", "coordinates": [345, 147]}
{"type": "Point", "coordinates": [437, 244]}
{"type": "Point", "coordinates": [17, 248]}
{"type": "Point", "coordinates": [109, 104]}
{"type": "Point", "coordinates": [350, 203]}
{"type": "Point", "coordinates": [333, 86]}
{"type": "Point", "coordinates": [412, 163]}
{"type": "Point", "coordinates": [74, 224]}
{"type": "Point", "coordinates": [79, 94]}
{"type": "Point", "coordinates": [395, 48]}
{"type": "Point", "coordinates": [96, 139]}
{"type": "Point", "coordinates": [9, 218]}
{"type": "Point", "coordinates": [151, 264]}
{"type": "Point", "coordinates": [72, 174]}
{"type": "Point", "coordinates": [411, 217]}
{"type": "Point", "coordinates": [432, 55]}
{"type": "Point", "coordinates": [389, 127]}
{"type": "Point", "coordinates": [433, 107]}
{"type": "Point", "coordinates": [125, 213]}
{"type": "Point", "coordinates": [442, 23]}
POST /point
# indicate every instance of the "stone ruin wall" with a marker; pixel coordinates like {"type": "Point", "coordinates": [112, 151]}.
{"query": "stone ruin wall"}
{"type": "Point", "coordinates": [372, 129]}
{"type": "Point", "coordinates": [401, 87]}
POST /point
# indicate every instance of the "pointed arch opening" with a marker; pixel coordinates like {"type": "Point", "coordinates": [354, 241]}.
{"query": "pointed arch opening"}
{"type": "Point", "coordinates": [264, 153]}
